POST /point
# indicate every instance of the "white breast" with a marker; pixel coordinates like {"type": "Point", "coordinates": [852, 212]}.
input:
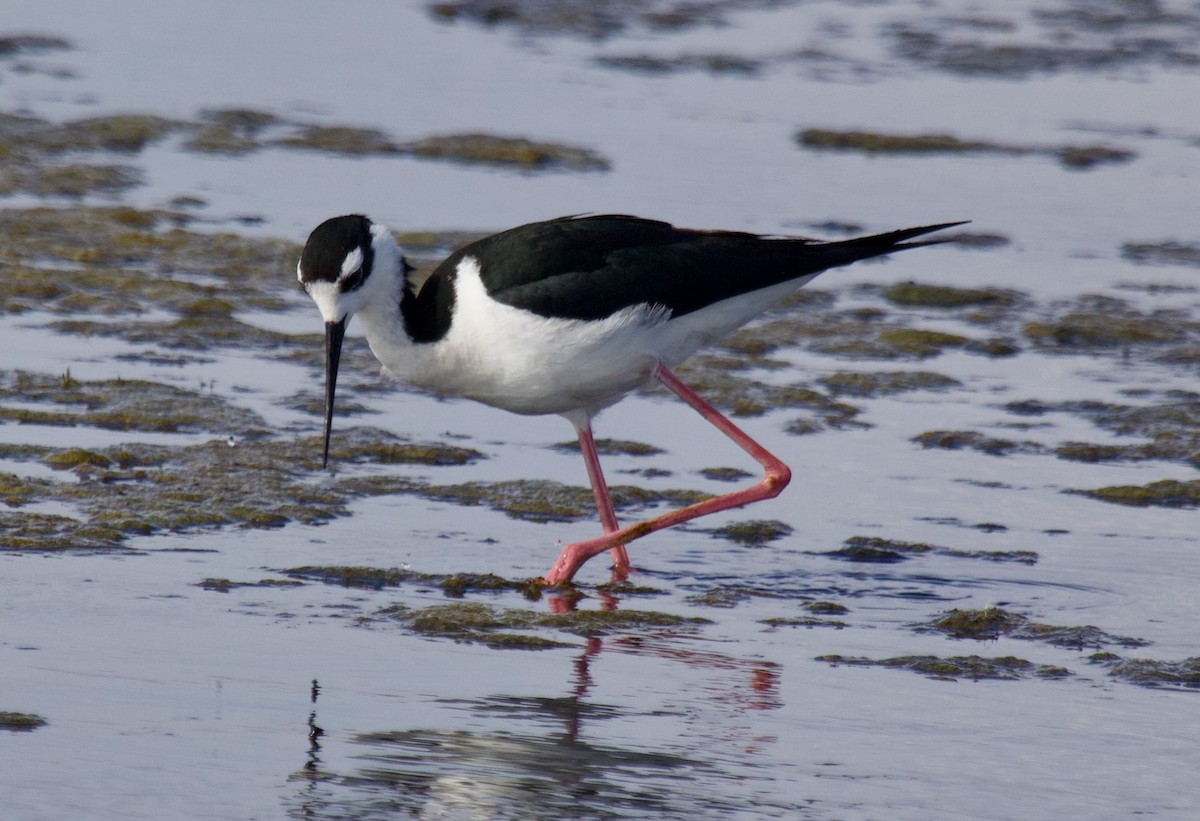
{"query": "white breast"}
{"type": "Point", "coordinates": [516, 360]}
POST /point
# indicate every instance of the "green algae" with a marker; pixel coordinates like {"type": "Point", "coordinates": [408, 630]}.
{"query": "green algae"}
{"type": "Point", "coordinates": [1089, 156]}
{"type": "Point", "coordinates": [1106, 35]}
{"type": "Point", "coordinates": [1075, 637]}
{"type": "Point", "coordinates": [127, 133]}
{"type": "Point", "coordinates": [872, 142]}
{"type": "Point", "coordinates": [717, 63]}
{"type": "Point", "coordinates": [988, 623]}
{"type": "Point", "coordinates": [455, 585]}
{"type": "Point", "coordinates": [953, 668]}
{"type": "Point", "coordinates": [514, 152]}
{"type": "Point", "coordinates": [918, 343]}
{"type": "Point", "coordinates": [471, 148]}
{"type": "Point", "coordinates": [111, 263]}
{"type": "Point", "coordinates": [187, 333]}
{"type": "Point", "coordinates": [11, 44]}
{"type": "Point", "coordinates": [974, 440]}
{"type": "Point", "coordinates": [731, 594]}
{"type": "Point", "coordinates": [475, 622]}
{"type": "Point", "coordinates": [627, 588]}
{"type": "Point", "coordinates": [725, 474]}
{"type": "Point", "coordinates": [725, 596]}
{"type": "Point", "coordinates": [480, 623]}
{"type": "Point", "coordinates": [371, 578]}
{"type": "Point", "coordinates": [1155, 673]}
{"type": "Point", "coordinates": [913, 294]}
{"type": "Point", "coordinates": [366, 445]}
{"type": "Point", "coordinates": [885, 383]}
{"type": "Point", "coordinates": [753, 532]}
{"type": "Point", "coordinates": [809, 622]}
{"type": "Point", "coordinates": [1171, 493]}
{"type": "Point", "coordinates": [48, 532]}
{"type": "Point", "coordinates": [76, 458]}
{"type": "Point", "coordinates": [613, 447]}
{"type": "Point", "coordinates": [826, 608]}
{"type": "Point", "coordinates": [811, 322]}
{"type": "Point", "coordinates": [858, 333]}
{"type": "Point", "coordinates": [878, 550]}
{"type": "Point", "coordinates": [1096, 324]}
{"type": "Point", "coordinates": [17, 490]}
{"type": "Point", "coordinates": [118, 404]}
{"type": "Point", "coordinates": [226, 585]}
{"type": "Point", "coordinates": [1165, 252]}
{"type": "Point", "coordinates": [524, 499]}
{"type": "Point", "coordinates": [816, 609]}
{"type": "Point", "coordinates": [74, 180]}
{"type": "Point", "coordinates": [1094, 330]}
{"type": "Point", "coordinates": [993, 622]}
{"type": "Point", "coordinates": [748, 397]}
{"type": "Point", "coordinates": [253, 482]}
{"type": "Point", "coordinates": [340, 140]}
{"type": "Point", "coordinates": [24, 137]}
{"type": "Point", "coordinates": [230, 131]}
{"type": "Point", "coordinates": [979, 240]}
{"type": "Point", "coordinates": [28, 144]}
{"type": "Point", "coordinates": [1167, 428]}
{"type": "Point", "coordinates": [532, 500]}
{"type": "Point", "coordinates": [1093, 454]}
{"type": "Point", "coordinates": [995, 347]}
{"type": "Point", "coordinates": [592, 20]}
{"type": "Point", "coordinates": [458, 585]}
{"type": "Point", "coordinates": [20, 722]}
{"type": "Point", "coordinates": [144, 241]}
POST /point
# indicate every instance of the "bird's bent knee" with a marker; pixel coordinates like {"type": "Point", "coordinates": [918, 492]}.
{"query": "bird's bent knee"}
{"type": "Point", "coordinates": [778, 479]}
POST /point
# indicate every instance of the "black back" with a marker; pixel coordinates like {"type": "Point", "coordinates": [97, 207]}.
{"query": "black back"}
{"type": "Point", "coordinates": [590, 267]}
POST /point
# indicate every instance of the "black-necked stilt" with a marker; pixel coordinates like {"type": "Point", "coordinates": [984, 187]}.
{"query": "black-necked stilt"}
{"type": "Point", "coordinates": [568, 316]}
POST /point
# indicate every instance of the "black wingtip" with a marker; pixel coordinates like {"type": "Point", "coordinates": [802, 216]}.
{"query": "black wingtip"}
{"type": "Point", "coordinates": [899, 237]}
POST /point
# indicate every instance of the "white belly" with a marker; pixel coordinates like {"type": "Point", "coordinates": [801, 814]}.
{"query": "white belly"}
{"type": "Point", "coordinates": [516, 360]}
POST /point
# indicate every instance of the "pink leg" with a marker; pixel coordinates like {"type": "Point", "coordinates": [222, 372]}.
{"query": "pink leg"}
{"type": "Point", "coordinates": [608, 515]}
{"type": "Point", "coordinates": [775, 478]}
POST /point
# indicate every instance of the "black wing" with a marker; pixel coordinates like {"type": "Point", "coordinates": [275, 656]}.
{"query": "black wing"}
{"type": "Point", "coordinates": [591, 267]}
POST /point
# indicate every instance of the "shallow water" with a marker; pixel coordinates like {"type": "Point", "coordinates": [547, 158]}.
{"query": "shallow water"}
{"type": "Point", "coordinates": [168, 695]}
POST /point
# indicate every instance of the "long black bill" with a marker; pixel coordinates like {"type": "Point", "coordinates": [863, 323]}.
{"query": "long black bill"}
{"type": "Point", "coordinates": [334, 332]}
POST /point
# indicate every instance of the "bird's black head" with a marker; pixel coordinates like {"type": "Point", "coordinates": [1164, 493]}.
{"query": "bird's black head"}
{"type": "Point", "coordinates": [336, 263]}
{"type": "Point", "coordinates": [339, 251]}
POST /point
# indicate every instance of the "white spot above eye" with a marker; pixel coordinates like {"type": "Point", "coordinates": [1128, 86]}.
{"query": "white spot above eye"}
{"type": "Point", "coordinates": [351, 263]}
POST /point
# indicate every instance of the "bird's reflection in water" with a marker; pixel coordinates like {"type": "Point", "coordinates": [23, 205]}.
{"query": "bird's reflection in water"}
{"type": "Point", "coordinates": [546, 756]}
{"type": "Point", "coordinates": [313, 764]}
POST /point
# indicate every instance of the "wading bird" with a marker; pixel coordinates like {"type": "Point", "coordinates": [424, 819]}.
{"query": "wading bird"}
{"type": "Point", "coordinates": [566, 317]}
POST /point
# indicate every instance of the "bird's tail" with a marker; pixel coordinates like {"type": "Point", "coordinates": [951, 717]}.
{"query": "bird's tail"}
{"type": "Point", "coordinates": [843, 252]}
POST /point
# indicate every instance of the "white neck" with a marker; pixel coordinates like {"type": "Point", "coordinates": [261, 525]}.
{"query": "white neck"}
{"type": "Point", "coordinates": [380, 308]}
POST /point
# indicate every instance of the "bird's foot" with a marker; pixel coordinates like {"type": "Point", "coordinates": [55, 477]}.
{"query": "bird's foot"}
{"type": "Point", "coordinates": [574, 556]}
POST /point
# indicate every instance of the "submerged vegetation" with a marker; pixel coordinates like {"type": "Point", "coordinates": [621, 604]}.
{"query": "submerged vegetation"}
{"type": "Point", "coordinates": [1163, 493]}
{"type": "Point", "coordinates": [57, 159]}
{"type": "Point", "coordinates": [877, 550]}
{"type": "Point", "coordinates": [870, 142]}
{"type": "Point", "coordinates": [953, 668]}
{"type": "Point", "coordinates": [20, 722]}
{"type": "Point", "coordinates": [993, 622]}
{"type": "Point", "coordinates": [506, 628]}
